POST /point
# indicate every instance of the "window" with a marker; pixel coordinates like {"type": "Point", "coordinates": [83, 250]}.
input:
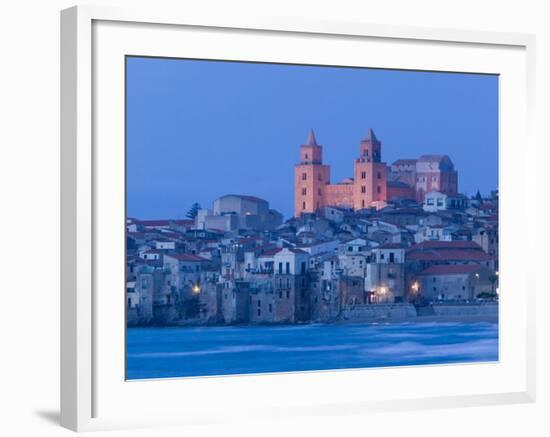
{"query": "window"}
{"type": "Point", "coordinates": [379, 175]}
{"type": "Point", "coordinates": [378, 189]}
{"type": "Point", "coordinates": [303, 267]}
{"type": "Point", "coordinates": [363, 203]}
{"type": "Point", "coordinates": [363, 175]}
{"type": "Point", "coordinates": [304, 176]}
{"type": "Point", "coordinates": [304, 191]}
{"type": "Point", "coordinates": [280, 294]}
{"type": "Point", "coordinates": [392, 257]}
{"type": "Point", "coordinates": [259, 312]}
{"type": "Point", "coordinates": [287, 282]}
{"type": "Point", "coordinates": [287, 268]}
{"type": "Point", "coordinates": [259, 303]}
{"type": "Point", "coordinates": [288, 294]}
{"type": "Point", "coordinates": [350, 248]}
{"type": "Point", "coordinates": [307, 156]}
{"type": "Point", "coordinates": [270, 308]}
{"type": "Point", "coordinates": [303, 205]}
{"type": "Point", "coordinates": [280, 268]}
{"type": "Point", "coordinates": [363, 189]}
{"type": "Point", "coordinates": [382, 255]}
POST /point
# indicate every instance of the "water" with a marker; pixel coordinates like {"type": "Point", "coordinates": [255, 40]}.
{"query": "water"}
{"type": "Point", "coordinates": [199, 351]}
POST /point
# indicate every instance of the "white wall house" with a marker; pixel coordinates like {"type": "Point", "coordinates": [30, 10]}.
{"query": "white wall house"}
{"type": "Point", "coordinates": [291, 261]}
{"type": "Point", "coordinates": [436, 201]}
{"type": "Point", "coordinates": [165, 245]}
{"type": "Point", "coordinates": [433, 233]}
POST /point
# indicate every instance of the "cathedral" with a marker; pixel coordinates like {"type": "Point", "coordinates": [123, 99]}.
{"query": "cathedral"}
{"type": "Point", "coordinates": [373, 184]}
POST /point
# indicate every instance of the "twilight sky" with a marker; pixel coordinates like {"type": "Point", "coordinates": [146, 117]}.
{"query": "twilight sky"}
{"type": "Point", "coordinates": [197, 130]}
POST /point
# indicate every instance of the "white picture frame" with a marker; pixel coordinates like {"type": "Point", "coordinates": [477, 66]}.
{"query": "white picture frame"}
{"type": "Point", "coordinates": [92, 390]}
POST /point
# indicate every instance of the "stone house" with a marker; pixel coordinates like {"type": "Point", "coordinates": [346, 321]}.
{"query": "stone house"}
{"type": "Point", "coordinates": [455, 282]}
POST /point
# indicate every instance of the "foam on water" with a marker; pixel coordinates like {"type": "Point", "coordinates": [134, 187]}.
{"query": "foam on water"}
{"type": "Point", "coordinates": [175, 352]}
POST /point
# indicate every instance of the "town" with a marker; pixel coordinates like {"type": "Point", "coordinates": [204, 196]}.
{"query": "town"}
{"type": "Point", "coordinates": [393, 242]}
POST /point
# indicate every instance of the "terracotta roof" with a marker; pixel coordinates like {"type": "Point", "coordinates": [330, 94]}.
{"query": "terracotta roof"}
{"type": "Point", "coordinates": [271, 252]}
{"type": "Point", "coordinates": [460, 244]}
{"type": "Point", "coordinates": [164, 222]}
{"type": "Point", "coordinates": [188, 257]}
{"type": "Point", "coordinates": [450, 269]}
{"type": "Point", "coordinates": [448, 255]}
{"type": "Point", "coordinates": [297, 250]}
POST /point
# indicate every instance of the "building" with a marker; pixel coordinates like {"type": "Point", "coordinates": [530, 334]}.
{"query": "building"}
{"type": "Point", "coordinates": [425, 174]}
{"type": "Point", "coordinates": [234, 211]}
{"type": "Point", "coordinates": [437, 201]}
{"type": "Point", "coordinates": [313, 190]}
{"type": "Point", "coordinates": [456, 282]}
{"type": "Point", "coordinates": [385, 276]}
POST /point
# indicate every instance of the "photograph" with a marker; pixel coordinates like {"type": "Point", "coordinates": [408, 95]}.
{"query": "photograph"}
{"type": "Point", "coordinates": [296, 217]}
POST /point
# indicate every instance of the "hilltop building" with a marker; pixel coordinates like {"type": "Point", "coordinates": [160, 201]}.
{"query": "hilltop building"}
{"type": "Point", "coordinates": [312, 187]}
{"type": "Point", "coordinates": [233, 211]}
{"type": "Point", "coordinates": [373, 182]}
{"type": "Point", "coordinates": [429, 173]}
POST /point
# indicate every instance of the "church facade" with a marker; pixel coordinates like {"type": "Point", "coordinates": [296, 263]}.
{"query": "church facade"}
{"type": "Point", "coordinates": [373, 182]}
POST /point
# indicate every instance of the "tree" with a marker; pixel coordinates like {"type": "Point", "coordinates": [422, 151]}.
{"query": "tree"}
{"type": "Point", "coordinates": [193, 211]}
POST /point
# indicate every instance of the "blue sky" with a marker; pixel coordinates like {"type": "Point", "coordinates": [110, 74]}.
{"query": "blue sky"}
{"type": "Point", "coordinates": [197, 130]}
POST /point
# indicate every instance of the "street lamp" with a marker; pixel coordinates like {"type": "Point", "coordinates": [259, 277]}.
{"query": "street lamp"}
{"type": "Point", "coordinates": [196, 289]}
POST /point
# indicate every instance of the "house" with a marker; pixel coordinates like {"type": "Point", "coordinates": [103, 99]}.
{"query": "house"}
{"type": "Point", "coordinates": [437, 201]}
{"type": "Point", "coordinates": [456, 282]}
{"type": "Point", "coordinates": [434, 233]}
{"type": "Point", "coordinates": [164, 244]}
{"type": "Point", "coordinates": [429, 253]}
{"type": "Point", "coordinates": [184, 273]}
{"type": "Point", "coordinates": [150, 255]}
{"type": "Point", "coordinates": [290, 261]}
{"type": "Point", "coordinates": [385, 276]}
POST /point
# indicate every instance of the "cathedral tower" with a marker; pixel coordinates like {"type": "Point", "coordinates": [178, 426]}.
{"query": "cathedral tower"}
{"type": "Point", "coordinates": [370, 173]}
{"type": "Point", "coordinates": [310, 177]}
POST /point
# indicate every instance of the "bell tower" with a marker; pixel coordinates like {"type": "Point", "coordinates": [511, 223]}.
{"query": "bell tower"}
{"type": "Point", "coordinates": [310, 177]}
{"type": "Point", "coordinates": [370, 173]}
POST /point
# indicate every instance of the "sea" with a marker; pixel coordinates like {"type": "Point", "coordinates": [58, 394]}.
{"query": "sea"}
{"type": "Point", "coordinates": [231, 350]}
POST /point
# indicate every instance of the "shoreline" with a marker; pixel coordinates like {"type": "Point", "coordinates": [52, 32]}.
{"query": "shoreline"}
{"type": "Point", "coordinates": [466, 319]}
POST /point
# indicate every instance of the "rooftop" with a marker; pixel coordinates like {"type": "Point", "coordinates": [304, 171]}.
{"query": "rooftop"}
{"type": "Point", "coordinates": [450, 269]}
